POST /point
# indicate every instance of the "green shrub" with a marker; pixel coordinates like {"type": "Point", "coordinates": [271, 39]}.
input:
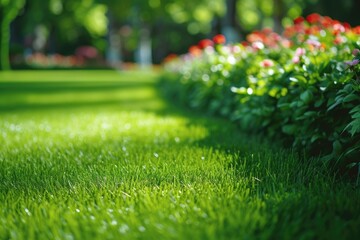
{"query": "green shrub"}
{"type": "Point", "coordinates": [301, 87]}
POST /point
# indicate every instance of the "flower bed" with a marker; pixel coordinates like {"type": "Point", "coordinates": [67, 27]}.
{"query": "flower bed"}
{"type": "Point", "coordinates": [302, 86]}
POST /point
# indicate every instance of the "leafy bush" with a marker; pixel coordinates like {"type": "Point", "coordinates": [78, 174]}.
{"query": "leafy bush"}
{"type": "Point", "coordinates": [301, 86]}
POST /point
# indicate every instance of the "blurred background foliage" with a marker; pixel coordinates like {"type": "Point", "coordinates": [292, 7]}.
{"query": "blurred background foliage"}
{"type": "Point", "coordinates": [144, 31]}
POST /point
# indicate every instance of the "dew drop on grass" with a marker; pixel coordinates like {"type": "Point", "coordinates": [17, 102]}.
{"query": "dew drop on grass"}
{"type": "Point", "coordinates": [105, 126]}
{"type": "Point", "coordinates": [77, 210]}
{"type": "Point", "coordinates": [156, 155]}
{"type": "Point", "coordinates": [142, 228]}
{"type": "Point", "coordinates": [69, 237]}
{"type": "Point", "coordinates": [4, 135]}
{"type": "Point", "coordinates": [159, 226]}
{"type": "Point", "coordinates": [202, 158]}
{"type": "Point", "coordinates": [114, 223]}
{"type": "Point", "coordinates": [205, 78]}
{"type": "Point", "coordinates": [172, 218]}
{"type": "Point", "coordinates": [196, 209]}
{"type": "Point", "coordinates": [124, 228]}
{"type": "Point", "coordinates": [27, 212]}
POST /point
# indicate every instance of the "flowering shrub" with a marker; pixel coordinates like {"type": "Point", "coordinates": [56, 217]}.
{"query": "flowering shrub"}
{"type": "Point", "coordinates": [302, 86]}
{"type": "Point", "coordinates": [47, 61]}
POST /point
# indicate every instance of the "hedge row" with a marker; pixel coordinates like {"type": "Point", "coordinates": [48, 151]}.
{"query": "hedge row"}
{"type": "Point", "coordinates": [301, 86]}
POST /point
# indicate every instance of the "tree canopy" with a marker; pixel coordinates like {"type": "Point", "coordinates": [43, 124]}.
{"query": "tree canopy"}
{"type": "Point", "coordinates": [66, 24]}
{"type": "Point", "coordinates": [9, 9]}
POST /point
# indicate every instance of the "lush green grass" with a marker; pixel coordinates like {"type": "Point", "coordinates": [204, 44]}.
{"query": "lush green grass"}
{"type": "Point", "coordinates": [98, 155]}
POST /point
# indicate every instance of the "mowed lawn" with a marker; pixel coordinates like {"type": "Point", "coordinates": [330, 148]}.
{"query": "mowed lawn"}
{"type": "Point", "coordinates": [100, 155]}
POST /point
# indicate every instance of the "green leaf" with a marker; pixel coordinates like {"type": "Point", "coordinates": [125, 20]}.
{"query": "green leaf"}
{"type": "Point", "coordinates": [314, 138]}
{"type": "Point", "coordinates": [350, 98]}
{"type": "Point", "coordinates": [298, 78]}
{"type": "Point", "coordinates": [289, 129]}
{"type": "Point", "coordinates": [319, 102]}
{"type": "Point", "coordinates": [338, 102]}
{"type": "Point", "coordinates": [337, 147]}
{"type": "Point", "coordinates": [353, 127]}
{"type": "Point", "coordinates": [306, 96]}
{"type": "Point", "coordinates": [284, 106]}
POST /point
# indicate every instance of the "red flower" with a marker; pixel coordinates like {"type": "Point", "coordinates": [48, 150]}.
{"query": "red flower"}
{"type": "Point", "coordinates": [299, 20]}
{"type": "Point", "coordinates": [256, 36]}
{"type": "Point", "coordinates": [327, 21]}
{"type": "Point", "coordinates": [313, 18]}
{"type": "Point", "coordinates": [219, 39]}
{"type": "Point", "coordinates": [195, 51]}
{"type": "Point", "coordinates": [205, 43]}
{"type": "Point", "coordinates": [267, 63]}
{"type": "Point", "coordinates": [170, 57]}
{"type": "Point", "coordinates": [356, 30]}
{"type": "Point", "coordinates": [266, 31]}
{"type": "Point", "coordinates": [245, 43]}
{"type": "Point", "coordinates": [347, 26]}
{"type": "Point", "coordinates": [338, 40]}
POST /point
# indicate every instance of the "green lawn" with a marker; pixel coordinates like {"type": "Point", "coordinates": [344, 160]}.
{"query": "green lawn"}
{"type": "Point", "coordinates": [99, 155]}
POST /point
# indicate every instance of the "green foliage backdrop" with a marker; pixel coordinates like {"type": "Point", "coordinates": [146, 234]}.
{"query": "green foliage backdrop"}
{"type": "Point", "coordinates": [173, 24]}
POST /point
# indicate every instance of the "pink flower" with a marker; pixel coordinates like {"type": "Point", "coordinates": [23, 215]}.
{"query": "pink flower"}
{"type": "Point", "coordinates": [314, 43]}
{"type": "Point", "coordinates": [338, 28]}
{"type": "Point", "coordinates": [267, 63]}
{"type": "Point", "coordinates": [257, 45]}
{"type": "Point", "coordinates": [356, 52]}
{"type": "Point", "coordinates": [300, 51]}
{"type": "Point", "coordinates": [296, 59]}
{"type": "Point", "coordinates": [353, 62]}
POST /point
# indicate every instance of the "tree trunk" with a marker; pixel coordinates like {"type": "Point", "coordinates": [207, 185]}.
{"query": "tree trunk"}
{"type": "Point", "coordinates": [144, 51]}
{"type": "Point", "coordinates": [8, 12]}
{"type": "Point", "coordinates": [278, 15]}
{"type": "Point", "coordinates": [113, 51]}
{"type": "Point", "coordinates": [4, 41]}
{"type": "Point", "coordinates": [229, 22]}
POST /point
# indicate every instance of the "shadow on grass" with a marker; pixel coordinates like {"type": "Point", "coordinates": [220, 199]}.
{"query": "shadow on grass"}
{"type": "Point", "coordinates": [19, 96]}
{"type": "Point", "coordinates": [120, 95]}
{"type": "Point", "coordinates": [66, 86]}
{"type": "Point", "coordinates": [119, 104]}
